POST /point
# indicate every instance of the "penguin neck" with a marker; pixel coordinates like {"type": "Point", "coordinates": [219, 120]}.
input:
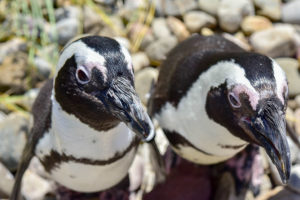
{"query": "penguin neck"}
{"type": "Point", "coordinates": [71, 136]}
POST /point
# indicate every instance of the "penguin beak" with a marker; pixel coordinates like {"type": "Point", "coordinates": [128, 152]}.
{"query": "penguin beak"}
{"type": "Point", "coordinates": [123, 102]}
{"type": "Point", "coordinates": [269, 130]}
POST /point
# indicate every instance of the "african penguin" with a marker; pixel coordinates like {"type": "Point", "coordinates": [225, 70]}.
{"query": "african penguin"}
{"type": "Point", "coordinates": [212, 99]}
{"type": "Point", "coordinates": [85, 119]}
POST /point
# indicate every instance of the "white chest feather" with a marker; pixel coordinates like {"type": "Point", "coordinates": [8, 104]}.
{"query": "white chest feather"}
{"type": "Point", "coordinates": [191, 120]}
{"type": "Point", "coordinates": [71, 137]}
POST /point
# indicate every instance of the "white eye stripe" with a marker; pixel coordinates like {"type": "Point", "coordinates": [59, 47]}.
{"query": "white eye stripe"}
{"type": "Point", "coordinates": [234, 100]}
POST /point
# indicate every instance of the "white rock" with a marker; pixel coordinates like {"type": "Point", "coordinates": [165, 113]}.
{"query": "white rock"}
{"type": "Point", "coordinates": [13, 130]}
{"type": "Point", "coordinates": [291, 12]}
{"type": "Point", "coordinates": [238, 41]}
{"type": "Point", "coordinates": [158, 50]}
{"type": "Point", "coordinates": [269, 8]}
{"type": "Point", "coordinates": [231, 13]}
{"type": "Point", "coordinates": [134, 31]}
{"type": "Point", "coordinates": [34, 187]}
{"type": "Point", "coordinates": [67, 29]}
{"type": "Point", "coordinates": [29, 98]}
{"type": "Point", "coordinates": [291, 66]}
{"type": "Point", "coordinates": [195, 20]}
{"type": "Point", "coordinates": [294, 150]}
{"type": "Point", "coordinates": [2, 116]}
{"type": "Point", "coordinates": [140, 60]}
{"type": "Point", "coordinates": [289, 114]}
{"type": "Point", "coordinates": [266, 184]}
{"type": "Point", "coordinates": [43, 67]}
{"type": "Point", "coordinates": [297, 120]}
{"type": "Point", "coordinates": [174, 7]}
{"type": "Point", "coordinates": [252, 24]}
{"type": "Point", "coordinates": [136, 171]}
{"type": "Point", "coordinates": [67, 12]}
{"type": "Point", "coordinates": [123, 41]}
{"type": "Point", "coordinates": [6, 180]}
{"type": "Point", "coordinates": [92, 22]}
{"type": "Point", "coordinates": [280, 40]}
{"type": "Point", "coordinates": [210, 6]}
{"type": "Point", "coordinates": [68, 23]}
{"type": "Point", "coordinates": [160, 28]}
{"type": "Point", "coordinates": [133, 5]}
{"type": "Point", "coordinates": [143, 82]}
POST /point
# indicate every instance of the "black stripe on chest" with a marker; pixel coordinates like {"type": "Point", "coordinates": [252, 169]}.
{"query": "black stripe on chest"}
{"type": "Point", "coordinates": [53, 160]}
{"type": "Point", "coordinates": [176, 139]}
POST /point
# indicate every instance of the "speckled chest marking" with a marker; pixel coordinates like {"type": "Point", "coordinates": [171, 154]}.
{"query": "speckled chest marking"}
{"type": "Point", "coordinates": [89, 160]}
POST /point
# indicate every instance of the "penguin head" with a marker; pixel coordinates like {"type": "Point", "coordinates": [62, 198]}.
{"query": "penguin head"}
{"type": "Point", "coordinates": [251, 104]}
{"type": "Point", "coordinates": [95, 82]}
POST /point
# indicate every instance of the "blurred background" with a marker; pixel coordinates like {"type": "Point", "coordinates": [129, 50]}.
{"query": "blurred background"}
{"type": "Point", "coordinates": [33, 32]}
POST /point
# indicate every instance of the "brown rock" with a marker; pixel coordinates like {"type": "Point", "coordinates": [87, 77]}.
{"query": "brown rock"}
{"type": "Point", "coordinates": [206, 31]}
{"type": "Point", "coordinates": [14, 70]}
{"type": "Point", "coordinates": [252, 24]}
{"type": "Point", "coordinates": [178, 28]}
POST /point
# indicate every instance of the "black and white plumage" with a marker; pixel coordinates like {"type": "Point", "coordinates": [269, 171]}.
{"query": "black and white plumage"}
{"type": "Point", "coordinates": [85, 118]}
{"type": "Point", "coordinates": [212, 99]}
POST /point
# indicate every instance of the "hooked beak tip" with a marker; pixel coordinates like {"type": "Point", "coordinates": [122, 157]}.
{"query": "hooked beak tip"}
{"type": "Point", "coordinates": [150, 135]}
{"type": "Point", "coordinates": [143, 128]}
{"type": "Point", "coordinates": [285, 175]}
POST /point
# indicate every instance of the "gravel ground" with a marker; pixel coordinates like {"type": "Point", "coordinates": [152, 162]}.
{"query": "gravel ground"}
{"type": "Point", "coordinates": [33, 32]}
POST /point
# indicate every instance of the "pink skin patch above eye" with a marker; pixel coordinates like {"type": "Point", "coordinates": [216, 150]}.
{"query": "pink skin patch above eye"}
{"type": "Point", "coordinates": [100, 67]}
{"type": "Point", "coordinates": [253, 95]}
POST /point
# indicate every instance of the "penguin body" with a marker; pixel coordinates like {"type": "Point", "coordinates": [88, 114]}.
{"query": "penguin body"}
{"type": "Point", "coordinates": [79, 148]}
{"type": "Point", "coordinates": [86, 120]}
{"type": "Point", "coordinates": [212, 99]}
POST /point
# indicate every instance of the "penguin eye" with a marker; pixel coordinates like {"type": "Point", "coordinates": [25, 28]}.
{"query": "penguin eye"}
{"type": "Point", "coordinates": [234, 100]}
{"type": "Point", "coordinates": [82, 75]}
